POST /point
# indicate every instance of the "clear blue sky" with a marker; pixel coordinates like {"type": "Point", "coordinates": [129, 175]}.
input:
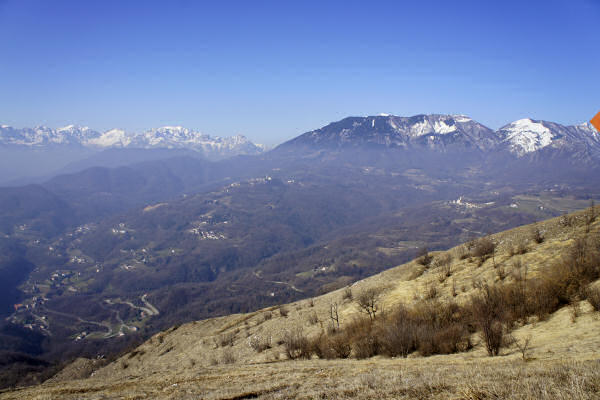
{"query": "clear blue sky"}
{"type": "Point", "coordinates": [272, 70]}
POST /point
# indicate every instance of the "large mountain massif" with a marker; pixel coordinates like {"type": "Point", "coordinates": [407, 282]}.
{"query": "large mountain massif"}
{"type": "Point", "coordinates": [109, 255]}
{"type": "Point", "coordinates": [451, 132]}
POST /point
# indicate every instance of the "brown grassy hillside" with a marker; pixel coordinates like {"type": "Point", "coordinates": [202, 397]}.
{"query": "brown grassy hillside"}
{"type": "Point", "coordinates": [549, 350]}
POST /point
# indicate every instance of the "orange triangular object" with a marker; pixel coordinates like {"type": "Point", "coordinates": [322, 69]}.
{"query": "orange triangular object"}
{"type": "Point", "coordinates": [596, 121]}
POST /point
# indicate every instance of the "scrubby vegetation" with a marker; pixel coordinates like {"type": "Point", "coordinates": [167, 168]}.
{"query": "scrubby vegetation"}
{"type": "Point", "coordinates": [431, 325]}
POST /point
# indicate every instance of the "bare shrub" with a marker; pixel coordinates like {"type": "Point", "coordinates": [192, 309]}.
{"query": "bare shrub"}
{"type": "Point", "coordinates": [260, 343]}
{"type": "Point", "coordinates": [368, 301]}
{"type": "Point", "coordinates": [365, 346]}
{"type": "Point", "coordinates": [431, 292]}
{"type": "Point", "coordinates": [519, 248]}
{"type": "Point", "coordinates": [225, 339]}
{"type": "Point", "coordinates": [267, 316]}
{"type": "Point", "coordinates": [567, 220]}
{"type": "Point", "coordinates": [524, 345]}
{"type": "Point", "coordinates": [501, 272]}
{"type": "Point", "coordinates": [483, 248]}
{"type": "Point", "coordinates": [488, 312]}
{"type": "Point", "coordinates": [536, 235]}
{"type": "Point", "coordinates": [313, 318]}
{"type": "Point", "coordinates": [574, 310]}
{"type": "Point", "coordinates": [592, 295]}
{"type": "Point", "coordinates": [347, 293]}
{"type": "Point", "coordinates": [590, 216]}
{"type": "Point", "coordinates": [423, 257]}
{"type": "Point", "coordinates": [296, 344]}
{"type": "Point", "coordinates": [227, 357]}
{"type": "Point", "coordinates": [462, 252]}
{"type": "Point", "coordinates": [311, 302]}
{"type": "Point", "coordinates": [399, 335]}
{"type": "Point", "coordinates": [283, 311]}
{"type": "Point", "coordinates": [332, 346]}
{"type": "Point", "coordinates": [444, 266]}
{"type": "Point", "coordinates": [362, 336]}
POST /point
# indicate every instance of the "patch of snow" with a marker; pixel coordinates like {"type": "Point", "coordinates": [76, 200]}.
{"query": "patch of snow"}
{"type": "Point", "coordinates": [442, 128]}
{"type": "Point", "coordinates": [461, 118]}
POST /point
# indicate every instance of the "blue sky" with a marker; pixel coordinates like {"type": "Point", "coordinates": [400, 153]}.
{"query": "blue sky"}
{"type": "Point", "coordinates": [272, 70]}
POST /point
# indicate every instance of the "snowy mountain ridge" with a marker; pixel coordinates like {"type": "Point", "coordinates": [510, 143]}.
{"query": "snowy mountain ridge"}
{"type": "Point", "coordinates": [442, 132]}
{"type": "Point", "coordinates": [167, 137]}
{"type": "Point", "coordinates": [435, 131]}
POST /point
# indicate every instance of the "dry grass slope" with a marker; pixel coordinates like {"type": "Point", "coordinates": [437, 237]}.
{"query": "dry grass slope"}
{"type": "Point", "coordinates": [243, 356]}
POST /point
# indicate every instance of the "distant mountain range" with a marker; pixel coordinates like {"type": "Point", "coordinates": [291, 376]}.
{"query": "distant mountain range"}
{"type": "Point", "coordinates": [451, 132]}
{"type": "Point", "coordinates": [437, 132]}
{"type": "Point", "coordinates": [168, 137]}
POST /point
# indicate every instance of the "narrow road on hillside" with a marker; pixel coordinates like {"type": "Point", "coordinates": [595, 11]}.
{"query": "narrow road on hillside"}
{"type": "Point", "coordinates": [107, 326]}
{"type": "Point", "coordinates": [150, 306]}
{"type": "Point", "coordinates": [278, 282]}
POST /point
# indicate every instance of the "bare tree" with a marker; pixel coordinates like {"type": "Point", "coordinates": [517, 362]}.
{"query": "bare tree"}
{"type": "Point", "coordinates": [524, 346]}
{"type": "Point", "coordinates": [333, 313]}
{"type": "Point", "coordinates": [368, 301]}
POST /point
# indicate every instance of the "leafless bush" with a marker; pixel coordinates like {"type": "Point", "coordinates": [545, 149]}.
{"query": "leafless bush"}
{"type": "Point", "coordinates": [488, 311]}
{"type": "Point", "coordinates": [399, 335]}
{"type": "Point", "coordinates": [225, 339]}
{"type": "Point", "coordinates": [462, 252]}
{"type": "Point", "coordinates": [260, 343]}
{"type": "Point", "coordinates": [483, 248]}
{"type": "Point", "coordinates": [228, 357]}
{"type": "Point", "coordinates": [536, 235]}
{"type": "Point", "coordinates": [267, 316]}
{"type": "Point", "coordinates": [365, 346]}
{"type": "Point", "coordinates": [574, 310]}
{"type": "Point", "coordinates": [332, 346]}
{"type": "Point", "coordinates": [501, 272]}
{"type": "Point", "coordinates": [567, 220]}
{"type": "Point", "coordinates": [444, 266]}
{"type": "Point", "coordinates": [593, 297]}
{"type": "Point", "coordinates": [519, 248]}
{"type": "Point", "coordinates": [347, 293]}
{"type": "Point", "coordinates": [313, 318]}
{"type": "Point", "coordinates": [431, 291]}
{"type": "Point", "coordinates": [590, 216]}
{"type": "Point", "coordinates": [311, 302]}
{"type": "Point", "coordinates": [296, 344]}
{"type": "Point", "coordinates": [283, 311]}
{"type": "Point", "coordinates": [423, 257]}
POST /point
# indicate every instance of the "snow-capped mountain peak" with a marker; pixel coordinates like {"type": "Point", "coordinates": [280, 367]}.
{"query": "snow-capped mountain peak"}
{"type": "Point", "coordinates": [526, 135]}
